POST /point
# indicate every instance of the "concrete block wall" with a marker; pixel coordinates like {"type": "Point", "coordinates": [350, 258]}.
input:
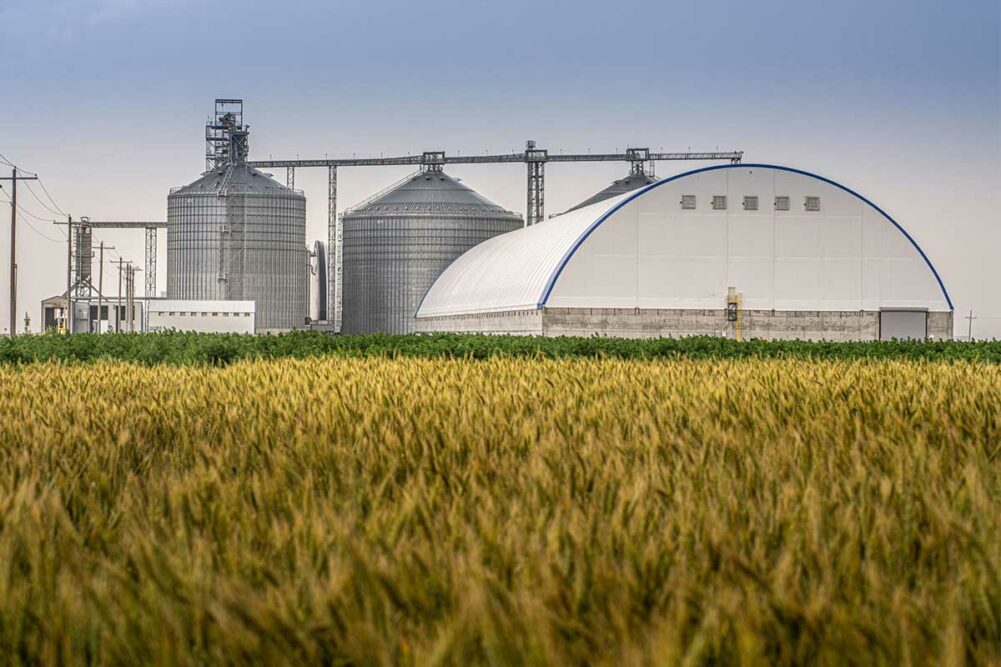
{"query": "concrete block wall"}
{"type": "Point", "coordinates": [676, 323]}
{"type": "Point", "coordinates": [633, 322]}
{"type": "Point", "coordinates": [515, 322]}
{"type": "Point", "coordinates": [837, 326]}
{"type": "Point", "coordinates": [940, 326]}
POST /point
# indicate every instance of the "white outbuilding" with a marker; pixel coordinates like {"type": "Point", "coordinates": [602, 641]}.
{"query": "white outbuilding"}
{"type": "Point", "coordinates": [745, 250]}
{"type": "Point", "coordinates": [203, 316]}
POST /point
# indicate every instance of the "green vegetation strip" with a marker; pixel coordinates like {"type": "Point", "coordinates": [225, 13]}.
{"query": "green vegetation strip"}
{"type": "Point", "coordinates": [222, 349]}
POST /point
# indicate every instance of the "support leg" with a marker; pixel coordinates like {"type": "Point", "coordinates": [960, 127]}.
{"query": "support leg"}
{"type": "Point", "coordinates": [536, 193]}
{"type": "Point", "coordinates": [150, 261]}
{"type": "Point", "coordinates": [334, 253]}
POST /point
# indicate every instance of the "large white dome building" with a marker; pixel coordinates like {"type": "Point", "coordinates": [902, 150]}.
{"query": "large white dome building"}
{"type": "Point", "coordinates": [770, 251]}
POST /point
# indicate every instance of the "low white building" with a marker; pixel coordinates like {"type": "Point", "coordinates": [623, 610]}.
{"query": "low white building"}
{"type": "Point", "coordinates": [114, 315]}
{"type": "Point", "coordinates": [748, 250]}
{"type": "Point", "coordinates": [203, 316]}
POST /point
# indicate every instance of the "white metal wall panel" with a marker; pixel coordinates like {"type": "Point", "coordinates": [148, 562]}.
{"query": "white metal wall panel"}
{"type": "Point", "coordinates": [841, 283]}
{"type": "Point", "coordinates": [742, 181]}
{"type": "Point", "coordinates": [841, 236]}
{"type": "Point", "coordinates": [798, 283]}
{"type": "Point", "coordinates": [797, 236]}
{"type": "Point", "coordinates": [750, 244]}
{"type": "Point", "coordinates": [681, 263]}
{"type": "Point", "coordinates": [873, 228]}
{"type": "Point", "coordinates": [895, 274]}
{"type": "Point", "coordinates": [605, 266]}
{"type": "Point", "coordinates": [651, 253]}
{"type": "Point", "coordinates": [203, 316]}
{"type": "Point", "coordinates": [750, 235]}
{"type": "Point", "coordinates": [681, 253]}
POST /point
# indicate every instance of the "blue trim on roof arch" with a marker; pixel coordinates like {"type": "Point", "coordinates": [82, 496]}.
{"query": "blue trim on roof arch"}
{"type": "Point", "coordinates": [639, 193]}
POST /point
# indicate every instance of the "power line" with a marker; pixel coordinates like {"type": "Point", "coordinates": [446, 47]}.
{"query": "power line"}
{"type": "Point", "coordinates": [27, 212]}
{"type": "Point", "coordinates": [47, 238]}
{"type": "Point", "coordinates": [58, 209]}
{"type": "Point", "coordinates": [53, 211]}
{"type": "Point", "coordinates": [31, 226]}
{"type": "Point", "coordinates": [46, 191]}
{"type": "Point", "coordinates": [11, 164]}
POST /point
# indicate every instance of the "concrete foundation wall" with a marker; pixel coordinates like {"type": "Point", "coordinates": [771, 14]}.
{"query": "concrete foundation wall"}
{"type": "Point", "coordinates": [940, 326]}
{"type": "Point", "coordinates": [670, 323]}
{"type": "Point", "coordinates": [519, 322]}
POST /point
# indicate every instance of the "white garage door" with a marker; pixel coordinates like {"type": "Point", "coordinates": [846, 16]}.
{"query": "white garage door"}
{"type": "Point", "coordinates": [903, 324]}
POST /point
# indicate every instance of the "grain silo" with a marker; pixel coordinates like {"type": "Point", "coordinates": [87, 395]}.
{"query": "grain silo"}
{"type": "Point", "coordinates": [634, 181]}
{"type": "Point", "coordinates": [397, 243]}
{"type": "Point", "coordinates": [236, 234]}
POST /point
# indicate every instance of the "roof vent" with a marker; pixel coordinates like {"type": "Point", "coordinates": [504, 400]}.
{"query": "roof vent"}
{"type": "Point", "coordinates": [812, 204]}
{"type": "Point", "coordinates": [688, 202]}
{"type": "Point", "coordinates": [719, 202]}
{"type": "Point", "coordinates": [750, 203]}
{"type": "Point", "coordinates": [782, 203]}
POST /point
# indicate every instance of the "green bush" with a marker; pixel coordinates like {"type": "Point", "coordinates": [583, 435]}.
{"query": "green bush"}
{"type": "Point", "coordinates": [223, 349]}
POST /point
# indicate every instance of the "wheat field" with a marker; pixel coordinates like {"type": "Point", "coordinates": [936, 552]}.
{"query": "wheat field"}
{"type": "Point", "coordinates": [506, 511]}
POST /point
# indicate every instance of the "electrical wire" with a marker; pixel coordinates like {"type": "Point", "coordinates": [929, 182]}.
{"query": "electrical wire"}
{"type": "Point", "coordinates": [46, 191]}
{"type": "Point", "coordinates": [11, 164]}
{"type": "Point", "coordinates": [43, 204]}
{"type": "Point", "coordinates": [31, 214]}
{"type": "Point", "coordinates": [47, 238]}
{"type": "Point", "coordinates": [32, 227]}
{"type": "Point", "coordinates": [53, 211]}
{"type": "Point", "coordinates": [58, 209]}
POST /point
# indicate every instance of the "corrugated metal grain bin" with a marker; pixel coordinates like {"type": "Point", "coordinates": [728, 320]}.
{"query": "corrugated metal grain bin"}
{"type": "Point", "coordinates": [236, 234]}
{"type": "Point", "coordinates": [398, 243]}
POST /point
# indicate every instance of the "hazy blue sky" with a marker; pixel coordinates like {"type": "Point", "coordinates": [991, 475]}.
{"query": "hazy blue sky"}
{"type": "Point", "coordinates": [899, 100]}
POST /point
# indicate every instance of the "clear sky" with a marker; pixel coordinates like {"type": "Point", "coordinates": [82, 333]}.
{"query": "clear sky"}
{"type": "Point", "coordinates": [899, 100]}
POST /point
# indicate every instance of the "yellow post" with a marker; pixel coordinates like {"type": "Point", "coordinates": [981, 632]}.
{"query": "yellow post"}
{"type": "Point", "coordinates": [735, 312]}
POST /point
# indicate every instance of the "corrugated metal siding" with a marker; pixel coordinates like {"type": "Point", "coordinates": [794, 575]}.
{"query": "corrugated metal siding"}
{"type": "Point", "coordinates": [621, 186]}
{"type": "Point", "coordinates": [397, 245]}
{"type": "Point", "coordinates": [239, 237]}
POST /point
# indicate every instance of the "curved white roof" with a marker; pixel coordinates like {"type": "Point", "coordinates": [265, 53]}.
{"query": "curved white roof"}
{"type": "Point", "coordinates": [643, 249]}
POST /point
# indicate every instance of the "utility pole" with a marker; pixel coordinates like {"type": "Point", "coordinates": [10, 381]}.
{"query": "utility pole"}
{"type": "Point", "coordinates": [100, 286]}
{"type": "Point", "coordinates": [969, 329]}
{"type": "Point", "coordinates": [130, 295]}
{"type": "Point", "coordinates": [118, 312]}
{"type": "Point", "coordinates": [14, 178]}
{"type": "Point", "coordinates": [130, 277]}
{"type": "Point", "coordinates": [69, 275]}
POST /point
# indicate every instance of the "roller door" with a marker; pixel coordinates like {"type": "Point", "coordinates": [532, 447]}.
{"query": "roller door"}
{"type": "Point", "coordinates": [903, 325]}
